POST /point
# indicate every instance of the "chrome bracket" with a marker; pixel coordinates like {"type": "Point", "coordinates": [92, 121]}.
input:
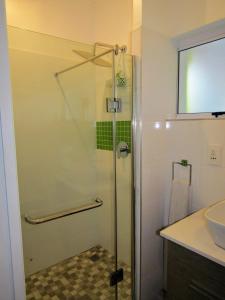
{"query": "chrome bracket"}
{"type": "Point", "coordinates": [116, 277]}
{"type": "Point", "coordinates": [113, 105]}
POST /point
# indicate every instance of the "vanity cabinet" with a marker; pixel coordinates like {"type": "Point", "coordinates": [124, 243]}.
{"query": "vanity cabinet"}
{"type": "Point", "coordinates": [191, 276]}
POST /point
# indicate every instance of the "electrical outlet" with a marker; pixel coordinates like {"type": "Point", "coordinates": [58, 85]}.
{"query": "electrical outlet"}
{"type": "Point", "coordinates": [215, 155]}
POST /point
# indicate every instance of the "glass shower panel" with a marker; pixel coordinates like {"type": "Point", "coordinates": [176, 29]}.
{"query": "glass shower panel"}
{"type": "Point", "coordinates": [85, 89]}
{"type": "Point", "coordinates": [65, 161]}
{"type": "Point", "coordinates": [124, 91]}
{"type": "Point", "coordinates": [44, 130]}
{"type": "Point", "coordinates": [77, 88]}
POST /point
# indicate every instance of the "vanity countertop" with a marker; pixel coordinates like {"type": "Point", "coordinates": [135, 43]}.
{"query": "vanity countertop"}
{"type": "Point", "coordinates": [193, 234]}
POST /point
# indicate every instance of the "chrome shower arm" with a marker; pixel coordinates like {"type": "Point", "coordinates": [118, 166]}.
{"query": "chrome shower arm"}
{"type": "Point", "coordinates": [84, 62]}
{"type": "Point", "coordinates": [102, 45]}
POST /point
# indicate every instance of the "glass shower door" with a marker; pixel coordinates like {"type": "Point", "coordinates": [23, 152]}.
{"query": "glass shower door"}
{"type": "Point", "coordinates": [114, 170]}
{"type": "Point", "coordinates": [85, 90]}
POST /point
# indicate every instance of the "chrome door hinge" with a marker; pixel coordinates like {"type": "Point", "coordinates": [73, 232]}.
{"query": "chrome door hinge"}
{"type": "Point", "coordinates": [113, 105]}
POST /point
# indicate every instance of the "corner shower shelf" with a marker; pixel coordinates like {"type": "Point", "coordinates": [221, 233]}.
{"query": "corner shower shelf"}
{"type": "Point", "coordinates": [42, 219]}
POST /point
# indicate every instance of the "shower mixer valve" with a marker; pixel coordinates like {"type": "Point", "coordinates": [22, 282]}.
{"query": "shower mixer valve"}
{"type": "Point", "coordinates": [122, 150]}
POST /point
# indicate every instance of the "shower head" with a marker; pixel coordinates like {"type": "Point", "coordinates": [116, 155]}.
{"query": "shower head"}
{"type": "Point", "coordinates": [95, 58]}
{"type": "Point", "coordinates": [98, 61]}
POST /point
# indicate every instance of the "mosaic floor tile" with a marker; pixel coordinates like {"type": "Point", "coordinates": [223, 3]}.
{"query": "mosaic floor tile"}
{"type": "Point", "coordinates": [82, 277]}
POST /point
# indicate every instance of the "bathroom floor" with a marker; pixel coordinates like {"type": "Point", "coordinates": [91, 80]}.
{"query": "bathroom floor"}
{"type": "Point", "coordinates": [82, 277]}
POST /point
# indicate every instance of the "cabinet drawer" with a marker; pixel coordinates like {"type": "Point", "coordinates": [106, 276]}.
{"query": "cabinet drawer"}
{"type": "Point", "coordinates": [199, 292]}
{"type": "Point", "coordinates": [191, 276]}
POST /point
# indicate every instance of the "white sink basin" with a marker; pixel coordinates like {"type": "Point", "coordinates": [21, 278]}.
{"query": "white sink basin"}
{"type": "Point", "coordinates": [215, 216]}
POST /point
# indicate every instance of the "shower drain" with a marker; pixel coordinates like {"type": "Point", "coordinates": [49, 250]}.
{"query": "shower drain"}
{"type": "Point", "coordinates": [94, 257]}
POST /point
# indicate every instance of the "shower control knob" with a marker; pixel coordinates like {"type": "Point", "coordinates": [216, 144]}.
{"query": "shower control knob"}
{"type": "Point", "coordinates": [122, 150]}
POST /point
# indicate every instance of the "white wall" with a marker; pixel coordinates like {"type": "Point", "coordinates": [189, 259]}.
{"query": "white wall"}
{"type": "Point", "coordinates": [81, 20]}
{"type": "Point", "coordinates": [113, 21]}
{"type": "Point", "coordinates": [188, 140]}
{"type": "Point", "coordinates": [173, 17]}
{"type": "Point", "coordinates": [72, 20]}
{"type": "Point", "coordinates": [214, 10]}
{"type": "Point", "coordinates": [11, 256]}
{"type": "Point", "coordinates": [6, 277]}
{"type": "Point", "coordinates": [155, 85]}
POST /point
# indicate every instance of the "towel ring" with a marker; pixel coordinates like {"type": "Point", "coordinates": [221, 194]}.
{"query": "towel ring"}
{"type": "Point", "coordinates": [183, 163]}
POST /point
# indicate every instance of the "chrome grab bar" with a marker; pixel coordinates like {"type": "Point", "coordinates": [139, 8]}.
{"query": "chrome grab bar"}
{"type": "Point", "coordinates": [38, 220]}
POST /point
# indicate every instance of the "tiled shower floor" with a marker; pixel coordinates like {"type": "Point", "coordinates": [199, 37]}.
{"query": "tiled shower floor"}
{"type": "Point", "coordinates": [82, 277]}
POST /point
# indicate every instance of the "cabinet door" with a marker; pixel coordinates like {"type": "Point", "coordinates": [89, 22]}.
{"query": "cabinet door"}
{"type": "Point", "coordinates": [197, 291]}
{"type": "Point", "coordinates": [193, 277]}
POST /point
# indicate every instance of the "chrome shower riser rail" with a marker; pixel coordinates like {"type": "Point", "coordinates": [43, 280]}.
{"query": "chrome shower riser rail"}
{"type": "Point", "coordinates": [39, 220]}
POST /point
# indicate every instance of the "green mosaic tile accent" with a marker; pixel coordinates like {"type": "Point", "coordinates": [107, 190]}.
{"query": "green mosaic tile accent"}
{"type": "Point", "coordinates": [123, 132]}
{"type": "Point", "coordinates": [104, 134]}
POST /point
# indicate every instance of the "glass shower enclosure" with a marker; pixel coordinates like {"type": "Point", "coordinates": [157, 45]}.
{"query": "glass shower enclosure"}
{"type": "Point", "coordinates": [73, 123]}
